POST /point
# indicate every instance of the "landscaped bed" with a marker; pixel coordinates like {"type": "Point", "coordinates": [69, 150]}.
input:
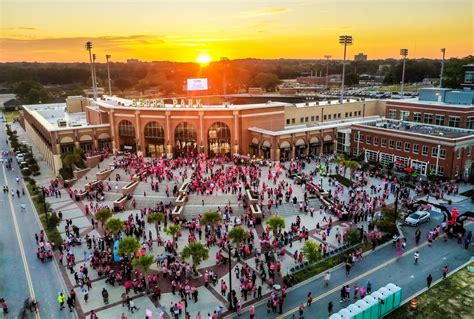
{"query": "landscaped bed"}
{"type": "Point", "coordinates": [451, 298]}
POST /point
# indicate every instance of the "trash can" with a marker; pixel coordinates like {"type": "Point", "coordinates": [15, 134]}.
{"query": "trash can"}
{"type": "Point", "coordinates": [356, 312]}
{"type": "Point", "coordinates": [372, 310]}
{"type": "Point", "coordinates": [397, 294]}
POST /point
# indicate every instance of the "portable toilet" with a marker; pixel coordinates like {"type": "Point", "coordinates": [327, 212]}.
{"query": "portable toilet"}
{"type": "Point", "coordinates": [345, 314]}
{"type": "Point", "coordinates": [372, 312]}
{"type": "Point", "coordinates": [364, 308]}
{"type": "Point", "coordinates": [397, 294]}
{"type": "Point", "coordinates": [356, 312]}
{"type": "Point", "coordinates": [335, 316]}
{"type": "Point", "coordinates": [388, 300]}
{"type": "Point", "coordinates": [380, 306]}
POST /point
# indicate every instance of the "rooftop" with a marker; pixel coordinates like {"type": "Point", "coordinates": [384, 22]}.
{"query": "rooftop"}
{"type": "Point", "coordinates": [54, 117]}
{"type": "Point", "coordinates": [420, 128]}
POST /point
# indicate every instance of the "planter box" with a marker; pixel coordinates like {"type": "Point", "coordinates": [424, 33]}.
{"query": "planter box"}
{"type": "Point", "coordinates": [80, 195]}
{"type": "Point", "coordinates": [180, 200]}
{"type": "Point", "coordinates": [68, 182]}
{"type": "Point", "coordinates": [140, 177]}
{"type": "Point", "coordinates": [251, 199]}
{"type": "Point", "coordinates": [119, 203]}
{"type": "Point", "coordinates": [92, 161]}
{"type": "Point", "coordinates": [183, 189]}
{"type": "Point", "coordinates": [80, 173]}
{"type": "Point", "coordinates": [129, 188]}
{"type": "Point", "coordinates": [91, 186]}
{"type": "Point", "coordinates": [103, 174]}
{"type": "Point", "coordinates": [256, 211]}
{"type": "Point", "coordinates": [177, 212]}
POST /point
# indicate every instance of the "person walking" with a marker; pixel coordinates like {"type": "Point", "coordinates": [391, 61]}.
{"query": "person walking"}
{"type": "Point", "coordinates": [61, 301]}
{"type": "Point", "coordinates": [327, 277]}
{"type": "Point", "coordinates": [309, 299]}
{"type": "Point", "coordinates": [445, 271]}
{"type": "Point", "coordinates": [416, 256]}
{"type": "Point", "coordinates": [429, 279]}
{"type": "Point", "coordinates": [330, 307]}
{"type": "Point", "coordinates": [252, 312]}
{"type": "Point", "coordinates": [417, 236]}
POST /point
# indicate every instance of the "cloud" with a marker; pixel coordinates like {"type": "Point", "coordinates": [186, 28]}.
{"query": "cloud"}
{"type": "Point", "coordinates": [19, 28]}
{"type": "Point", "coordinates": [263, 12]}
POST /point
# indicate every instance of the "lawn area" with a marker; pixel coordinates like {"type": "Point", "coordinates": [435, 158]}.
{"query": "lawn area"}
{"type": "Point", "coordinates": [452, 298]}
{"type": "Point", "coordinates": [10, 116]}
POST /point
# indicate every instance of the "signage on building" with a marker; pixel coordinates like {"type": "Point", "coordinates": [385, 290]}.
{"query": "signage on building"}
{"type": "Point", "coordinates": [196, 84]}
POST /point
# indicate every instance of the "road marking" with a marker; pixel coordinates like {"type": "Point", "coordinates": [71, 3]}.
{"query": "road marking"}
{"type": "Point", "coordinates": [327, 293]}
{"type": "Point", "coordinates": [22, 249]}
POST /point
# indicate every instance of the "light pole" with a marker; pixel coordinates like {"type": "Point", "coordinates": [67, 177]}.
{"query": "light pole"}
{"type": "Point", "coordinates": [358, 143]}
{"type": "Point", "coordinates": [344, 40]}
{"type": "Point", "coordinates": [327, 57]}
{"type": "Point", "coordinates": [224, 78]}
{"type": "Point", "coordinates": [89, 48]}
{"type": "Point", "coordinates": [403, 53]}
{"type": "Point", "coordinates": [443, 50]}
{"type": "Point", "coordinates": [230, 276]}
{"type": "Point", "coordinates": [437, 158]}
{"type": "Point", "coordinates": [108, 56]}
{"type": "Point", "coordinates": [94, 57]}
{"type": "Point", "coordinates": [44, 204]}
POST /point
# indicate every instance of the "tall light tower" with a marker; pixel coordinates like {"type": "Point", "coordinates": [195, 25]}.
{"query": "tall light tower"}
{"type": "Point", "coordinates": [224, 61]}
{"type": "Point", "coordinates": [327, 57]}
{"type": "Point", "coordinates": [107, 57]}
{"type": "Point", "coordinates": [344, 40]}
{"type": "Point", "coordinates": [443, 50]}
{"type": "Point", "coordinates": [403, 53]}
{"type": "Point", "coordinates": [94, 57]}
{"type": "Point", "coordinates": [94, 88]}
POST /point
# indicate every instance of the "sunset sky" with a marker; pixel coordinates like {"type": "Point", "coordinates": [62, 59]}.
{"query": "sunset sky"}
{"type": "Point", "coordinates": [179, 30]}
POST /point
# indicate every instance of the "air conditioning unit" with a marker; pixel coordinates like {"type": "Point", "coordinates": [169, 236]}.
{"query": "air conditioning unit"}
{"type": "Point", "coordinates": [74, 124]}
{"type": "Point", "coordinates": [62, 123]}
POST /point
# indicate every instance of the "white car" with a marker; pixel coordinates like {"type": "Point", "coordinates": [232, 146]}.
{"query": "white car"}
{"type": "Point", "coordinates": [417, 218]}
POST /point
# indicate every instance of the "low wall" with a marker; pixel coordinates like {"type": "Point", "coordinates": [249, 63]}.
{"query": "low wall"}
{"type": "Point", "coordinates": [103, 174]}
{"type": "Point", "coordinates": [92, 161]}
{"type": "Point", "coordinates": [177, 212]}
{"type": "Point", "coordinates": [129, 188]}
{"type": "Point", "coordinates": [119, 203]}
{"type": "Point", "coordinates": [80, 173]}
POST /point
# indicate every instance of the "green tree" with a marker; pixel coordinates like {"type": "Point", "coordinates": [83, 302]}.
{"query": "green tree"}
{"type": "Point", "coordinates": [157, 219]}
{"type": "Point", "coordinates": [173, 231]}
{"type": "Point", "coordinates": [311, 251]}
{"type": "Point", "coordinates": [212, 219]}
{"type": "Point", "coordinates": [386, 222]}
{"type": "Point", "coordinates": [267, 81]}
{"type": "Point", "coordinates": [103, 215]}
{"type": "Point", "coordinates": [122, 84]}
{"type": "Point", "coordinates": [128, 247]}
{"type": "Point", "coordinates": [351, 79]}
{"type": "Point", "coordinates": [353, 236]}
{"type": "Point", "coordinates": [115, 225]}
{"type": "Point", "coordinates": [144, 263]}
{"type": "Point", "coordinates": [276, 223]}
{"type": "Point", "coordinates": [72, 158]}
{"type": "Point", "coordinates": [238, 235]}
{"type": "Point", "coordinates": [197, 252]}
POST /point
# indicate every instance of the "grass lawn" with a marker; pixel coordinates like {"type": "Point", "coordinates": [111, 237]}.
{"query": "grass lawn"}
{"type": "Point", "coordinates": [10, 116]}
{"type": "Point", "coordinates": [452, 298]}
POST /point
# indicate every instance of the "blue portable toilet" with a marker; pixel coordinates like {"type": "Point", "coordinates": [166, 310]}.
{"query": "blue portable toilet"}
{"type": "Point", "coordinates": [372, 312]}
{"type": "Point", "coordinates": [397, 294]}
{"type": "Point", "coordinates": [356, 312]}
{"type": "Point", "coordinates": [345, 314]}
{"type": "Point", "coordinates": [380, 298]}
{"type": "Point", "coordinates": [335, 316]}
{"type": "Point", "coordinates": [388, 299]}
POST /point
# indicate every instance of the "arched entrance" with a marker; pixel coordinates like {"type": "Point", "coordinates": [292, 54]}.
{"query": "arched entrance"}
{"type": "Point", "coordinates": [314, 145]}
{"type": "Point", "coordinates": [300, 147]}
{"type": "Point", "coordinates": [127, 136]}
{"type": "Point", "coordinates": [218, 138]}
{"type": "Point", "coordinates": [266, 149]}
{"type": "Point", "coordinates": [254, 147]}
{"type": "Point", "coordinates": [328, 144]}
{"type": "Point", "coordinates": [154, 139]}
{"type": "Point", "coordinates": [185, 139]}
{"type": "Point", "coordinates": [285, 151]}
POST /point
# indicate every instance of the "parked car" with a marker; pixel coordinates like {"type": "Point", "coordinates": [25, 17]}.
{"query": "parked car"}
{"type": "Point", "coordinates": [23, 164]}
{"type": "Point", "coordinates": [417, 218]}
{"type": "Point", "coordinates": [20, 157]}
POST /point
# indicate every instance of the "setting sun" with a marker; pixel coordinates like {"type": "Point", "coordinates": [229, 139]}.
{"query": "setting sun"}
{"type": "Point", "coordinates": [203, 58]}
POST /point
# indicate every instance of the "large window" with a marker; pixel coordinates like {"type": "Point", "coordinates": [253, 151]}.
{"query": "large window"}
{"type": "Point", "coordinates": [404, 115]}
{"type": "Point", "coordinates": [406, 147]}
{"type": "Point", "coordinates": [126, 129]}
{"type": "Point", "coordinates": [154, 139]}
{"type": "Point", "coordinates": [399, 145]}
{"type": "Point", "coordinates": [470, 122]}
{"type": "Point", "coordinates": [439, 120]}
{"type": "Point", "coordinates": [392, 114]}
{"type": "Point", "coordinates": [469, 77]}
{"type": "Point", "coordinates": [454, 121]}
{"type": "Point", "coordinates": [185, 137]}
{"type": "Point", "coordinates": [424, 150]}
{"type": "Point", "coordinates": [219, 139]}
{"type": "Point", "coordinates": [442, 152]}
{"type": "Point", "coordinates": [416, 148]}
{"type": "Point", "coordinates": [428, 118]}
{"type": "Point", "coordinates": [391, 143]}
{"type": "Point", "coordinates": [416, 117]}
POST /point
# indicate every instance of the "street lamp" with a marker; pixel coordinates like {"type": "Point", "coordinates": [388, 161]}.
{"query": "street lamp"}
{"type": "Point", "coordinates": [403, 53]}
{"type": "Point", "coordinates": [327, 57]}
{"type": "Point", "coordinates": [358, 143]}
{"type": "Point", "coordinates": [229, 246]}
{"type": "Point", "coordinates": [443, 50]}
{"type": "Point", "coordinates": [44, 204]}
{"type": "Point", "coordinates": [224, 79]}
{"type": "Point", "coordinates": [94, 57]}
{"type": "Point", "coordinates": [107, 57]}
{"type": "Point", "coordinates": [437, 158]}
{"type": "Point", "coordinates": [344, 40]}
{"type": "Point", "coordinates": [89, 48]}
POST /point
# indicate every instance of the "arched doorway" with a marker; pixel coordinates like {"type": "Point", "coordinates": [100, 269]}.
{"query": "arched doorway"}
{"type": "Point", "coordinates": [314, 145]}
{"type": "Point", "coordinates": [300, 147]}
{"type": "Point", "coordinates": [266, 149]}
{"type": "Point", "coordinates": [254, 147]}
{"type": "Point", "coordinates": [328, 144]}
{"type": "Point", "coordinates": [185, 139]}
{"type": "Point", "coordinates": [218, 138]}
{"type": "Point", "coordinates": [285, 151]}
{"type": "Point", "coordinates": [127, 136]}
{"type": "Point", "coordinates": [154, 139]}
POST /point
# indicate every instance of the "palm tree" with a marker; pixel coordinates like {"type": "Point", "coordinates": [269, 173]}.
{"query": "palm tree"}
{"type": "Point", "coordinates": [352, 165]}
{"type": "Point", "coordinates": [103, 215]}
{"type": "Point", "coordinates": [128, 247]}
{"type": "Point", "coordinates": [115, 225]}
{"type": "Point", "coordinates": [75, 157]}
{"type": "Point", "coordinates": [156, 218]}
{"type": "Point", "coordinates": [238, 235]}
{"type": "Point", "coordinates": [212, 219]}
{"type": "Point", "coordinates": [144, 263]}
{"type": "Point", "coordinates": [276, 223]}
{"type": "Point", "coordinates": [311, 251]}
{"type": "Point", "coordinates": [197, 252]}
{"type": "Point", "coordinates": [173, 231]}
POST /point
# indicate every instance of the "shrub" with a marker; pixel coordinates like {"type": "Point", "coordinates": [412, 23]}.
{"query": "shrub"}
{"type": "Point", "coordinates": [66, 173]}
{"type": "Point", "coordinates": [386, 223]}
{"type": "Point", "coordinates": [53, 220]}
{"type": "Point", "coordinates": [343, 180]}
{"type": "Point", "coordinates": [353, 236]}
